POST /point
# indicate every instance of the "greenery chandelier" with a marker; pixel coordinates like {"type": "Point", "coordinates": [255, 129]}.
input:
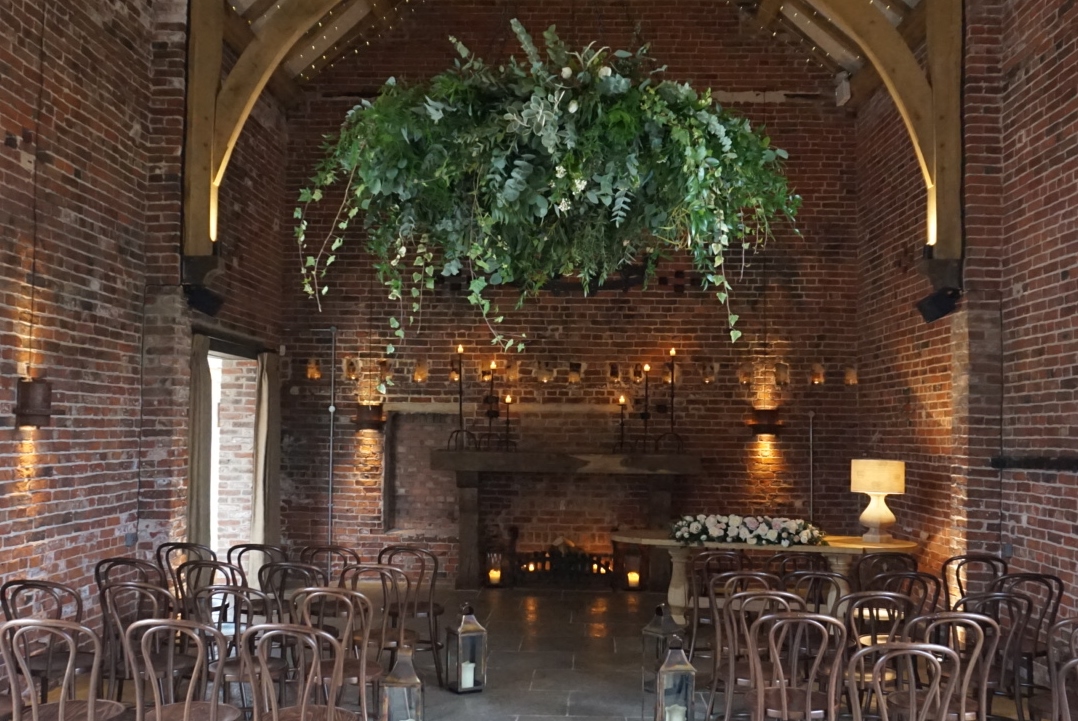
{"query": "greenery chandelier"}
{"type": "Point", "coordinates": [576, 164]}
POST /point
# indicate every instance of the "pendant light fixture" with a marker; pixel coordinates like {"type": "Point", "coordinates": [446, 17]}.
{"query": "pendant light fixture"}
{"type": "Point", "coordinates": [33, 395]}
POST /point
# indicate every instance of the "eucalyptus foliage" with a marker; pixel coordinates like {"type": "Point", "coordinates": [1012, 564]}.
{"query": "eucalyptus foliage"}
{"type": "Point", "coordinates": [574, 164]}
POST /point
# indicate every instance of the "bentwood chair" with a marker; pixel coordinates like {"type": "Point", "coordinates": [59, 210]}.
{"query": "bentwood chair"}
{"type": "Point", "coordinates": [1011, 612]}
{"type": "Point", "coordinates": [796, 666]}
{"type": "Point", "coordinates": [317, 683]}
{"type": "Point", "coordinates": [1046, 591]}
{"type": "Point", "coordinates": [1062, 648]}
{"type": "Point", "coordinates": [970, 573]}
{"type": "Point", "coordinates": [252, 556]}
{"type": "Point", "coordinates": [232, 611]}
{"type": "Point", "coordinates": [396, 592]}
{"type": "Point", "coordinates": [173, 554]}
{"type": "Point", "coordinates": [1065, 692]}
{"type": "Point", "coordinates": [157, 655]}
{"type": "Point", "coordinates": [422, 568]}
{"type": "Point", "coordinates": [704, 566]}
{"type": "Point", "coordinates": [974, 637]}
{"type": "Point", "coordinates": [193, 575]}
{"type": "Point", "coordinates": [891, 670]}
{"type": "Point", "coordinates": [68, 641]}
{"type": "Point", "coordinates": [332, 559]}
{"type": "Point", "coordinates": [924, 589]}
{"type": "Point", "coordinates": [785, 562]}
{"type": "Point", "coordinates": [124, 604]}
{"type": "Point", "coordinates": [21, 599]}
{"type": "Point", "coordinates": [119, 568]}
{"type": "Point", "coordinates": [738, 614]}
{"type": "Point", "coordinates": [869, 565]}
{"type": "Point", "coordinates": [820, 589]}
{"type": "Point", "coordinates": [350, 612]}
{"type": "Point", "coordinates": [281, 580]}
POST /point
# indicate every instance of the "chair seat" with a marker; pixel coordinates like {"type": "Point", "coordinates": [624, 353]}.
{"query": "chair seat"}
{"type": "Point", "coordinates": [76, 711]}
{"type": "Point", "coordinates": [901, 701]}
{"type": "Point", "coordinates": [315, 713]}
{"type": "Point", "coordinates": [795, 704]}
{"type": "Point", "coordinates": [57, 662]}
{"type": "Point", "coordinates": [233, 668]}
{"type": "Point", "coordinates": [199, 710]}
{"type": "Point", "coordinates": [351, 670]}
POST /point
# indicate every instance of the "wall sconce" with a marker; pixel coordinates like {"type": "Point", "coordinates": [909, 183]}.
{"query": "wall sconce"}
{"type": "Point", "coordinates": [707, 371]}
{"type": "Point", "coordinates": [420, 372]}
{"type": "Point", "coordinates": [782, 374]}
{"type": "Point", "coordinates": [370, 417]}
{"type": "Point", "coordinates": [765, 422]}
{"type": "Point", "coordinates": [744, 373]}
{"type": "Point", "coordinates": [614, 374]}
{"type": "Point", "coordinates": [850, 376]}
{"type": "Point", "coordinates": [33, 403]}
{"type": "Point", "coordinates": [350, 368]}
{"type": "Point", "coordinates": [638, 373]}
{"type": "Point", "coordinates": [546, 373]}
{"type": "Point", "coordinates": [575, 370]}
{"type": "Point", "coordinates": [512, 371]}
{"type": "Point", "coordinates": [817, 376]}
{"type": "Point", "coordinates": [314, 371]}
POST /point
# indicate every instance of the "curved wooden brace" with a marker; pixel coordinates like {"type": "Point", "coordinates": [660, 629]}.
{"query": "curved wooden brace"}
{"type": "Point", "coordinates": [253, 70]}
{"type": "Point", "coordinates": [898, 68]}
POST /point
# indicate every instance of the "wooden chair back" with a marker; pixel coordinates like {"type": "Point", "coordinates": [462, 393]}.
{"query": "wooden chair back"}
{"type": "Point", "coordinates": [122, 568]}
{"type": "Point", "coordinates": [820, 589]}
{"type": "Point", "coordinates": [970, 573]}
{"type": "Point", "coordinates": [332, 559]}
{"type": "Point", "coordinates": [878, 673]}
{"type": "Point", "coordinates": [869, 565]}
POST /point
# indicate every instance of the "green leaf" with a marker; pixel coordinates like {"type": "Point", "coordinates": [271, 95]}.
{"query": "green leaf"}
{"type": "Point", "coordinates": [394, 323]}
{"type": "Point", "coordinates": [734, 335]}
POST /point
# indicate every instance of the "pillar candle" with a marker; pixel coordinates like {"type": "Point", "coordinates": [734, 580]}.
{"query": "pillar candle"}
{"type": "Point", "coordinates": [467, 676]}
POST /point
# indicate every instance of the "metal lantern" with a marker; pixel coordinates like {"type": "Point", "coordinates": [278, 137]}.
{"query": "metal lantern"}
{"type": "Point", "coordinates": [400, 695]}
{"type": "Point", "coordinates": [466, 654]}
{"type": "Point", "coordinates": [676, 684]}
{"type": "Point", "coordinates": [657, 637]}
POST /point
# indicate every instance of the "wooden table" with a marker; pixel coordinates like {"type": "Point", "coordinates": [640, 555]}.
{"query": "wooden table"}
{"type": "Point", "coordinates": [839, 551]}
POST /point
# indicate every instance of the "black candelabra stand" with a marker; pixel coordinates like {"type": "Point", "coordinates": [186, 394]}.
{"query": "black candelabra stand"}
{"type": "Point", "coordinates": [620, 446]}
{"type": "Point", "coordinates": [489, 440]}
{"type": "Point", "coordinates": [645, 415]}
{"type": "Point", "coordinates": [671, 439]}
{"type": "Point", "coordinates": [506, 442]}
{"type": "Point", "coordinates": [461, 439]}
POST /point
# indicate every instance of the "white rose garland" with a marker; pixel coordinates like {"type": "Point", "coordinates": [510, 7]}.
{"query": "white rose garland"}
{"type": "Point", "coordinates": [753, 530]}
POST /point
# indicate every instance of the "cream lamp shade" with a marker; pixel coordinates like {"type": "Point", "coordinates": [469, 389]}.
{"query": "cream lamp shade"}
{"type": "Point", "coordinates": [877, 478]}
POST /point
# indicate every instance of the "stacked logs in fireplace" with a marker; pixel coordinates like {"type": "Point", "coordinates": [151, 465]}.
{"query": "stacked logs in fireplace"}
{"type": "Point", "coordinates": [567, 567]}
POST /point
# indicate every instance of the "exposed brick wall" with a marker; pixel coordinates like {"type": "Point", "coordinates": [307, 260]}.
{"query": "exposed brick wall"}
{"type": "Point", "coordinates": [236, 467]}
{"type": "Point", "coordinates": [796, 298]}
{"type": "Point", "coordinates": [1040, 290]}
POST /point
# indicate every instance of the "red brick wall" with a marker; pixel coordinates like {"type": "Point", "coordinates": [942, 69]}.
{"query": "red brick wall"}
{"type": "Point", "coordinates": [236, 469]}
{"type": "Point", "coordinates": [797, 298]}
{"type": "Point", "coordinates": [1040, 300]}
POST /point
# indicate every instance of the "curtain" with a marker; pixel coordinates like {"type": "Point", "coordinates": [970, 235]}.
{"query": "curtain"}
{"type": "Point", "coordinates": [200, 428]}
{"type": "Point", "coordinates": [266, 500]}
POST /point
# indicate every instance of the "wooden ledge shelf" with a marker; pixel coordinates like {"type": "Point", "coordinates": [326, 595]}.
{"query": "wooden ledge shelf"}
{"type": "Point", "coordinates": [563, 463]}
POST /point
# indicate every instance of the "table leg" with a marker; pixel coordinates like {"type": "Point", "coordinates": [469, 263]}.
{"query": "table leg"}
{"type": "Point", "coordinates": [677, 595]}
{"type": "Point", "coordinates": [840, 562]}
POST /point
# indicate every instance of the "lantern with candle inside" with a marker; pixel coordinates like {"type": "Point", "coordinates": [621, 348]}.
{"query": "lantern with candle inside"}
{"type": "Point", "coordinates": [494, 569]}
{"type": "Point", "coordinates": [466, 654]}
{"type": "Point", "coordinates": [400, 693]}
{"type": "Point", "coordinates": [630, 566]}
{"type": "Point", "coordinates": [877, 479]}
{"type": "Point", "coordinates": [675, 685]}
{"type": "Point", "coordinates": [658, 634]}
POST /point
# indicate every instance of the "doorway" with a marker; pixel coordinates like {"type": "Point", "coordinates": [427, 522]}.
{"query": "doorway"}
{"type": "Point", "coordinates": [232, 450]}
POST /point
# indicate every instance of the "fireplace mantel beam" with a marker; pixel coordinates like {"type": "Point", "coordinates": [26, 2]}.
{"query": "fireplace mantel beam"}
{"type": "Point", "coordinates": [562, 463]}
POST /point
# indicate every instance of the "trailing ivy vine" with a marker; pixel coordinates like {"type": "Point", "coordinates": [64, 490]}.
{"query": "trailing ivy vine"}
{"type": "Point", "coordinates": [576, 163]}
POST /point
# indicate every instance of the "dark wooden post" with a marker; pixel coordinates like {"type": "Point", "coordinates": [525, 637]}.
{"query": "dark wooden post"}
{"type": "Point", "coordinates": [469, 569]}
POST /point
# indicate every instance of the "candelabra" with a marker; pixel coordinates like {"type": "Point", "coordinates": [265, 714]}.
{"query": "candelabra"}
{"type": "Point", "coordinates": [645, 415]}
{"type": "Point", "coordinates": [671, 437]}
{"type": "Point", "coordinates": [506, 442]}
{"type": "Point", "coordinates": [620, 446]}
{"type": "Point", "coordinates": [461, 439]}
{"type": "Point", "coordinates": [490, 439]}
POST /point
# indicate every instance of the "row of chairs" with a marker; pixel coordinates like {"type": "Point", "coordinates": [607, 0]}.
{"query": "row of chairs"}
{"type": "Point", "coordinates": [188, 583]}
{"type": "Point", "coordinates": [887, 587]}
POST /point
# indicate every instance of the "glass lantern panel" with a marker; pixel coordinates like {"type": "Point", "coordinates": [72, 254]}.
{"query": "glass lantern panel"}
{"type": "Point", "coordinates": [473, 657]}
{"type": "Point", "coordinates": [403, 704]}
{"type": "Point", "coordinates": [675, 703]}
{"type": "Point", "coordinates": [452, 666]}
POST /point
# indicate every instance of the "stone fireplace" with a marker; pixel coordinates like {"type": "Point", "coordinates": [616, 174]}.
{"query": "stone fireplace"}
{"type": "Point", "coordinates": [533, 501]}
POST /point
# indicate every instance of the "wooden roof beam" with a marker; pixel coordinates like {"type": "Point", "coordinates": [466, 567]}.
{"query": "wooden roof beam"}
{"type": "Point", "coordinates": [865, 82]}
{"type": "Point", "coordinates": [381, 16]}
{"type": "Point", "coordinates": [239, 35]}
{"type": "Point", "coordinates": [768, 11]}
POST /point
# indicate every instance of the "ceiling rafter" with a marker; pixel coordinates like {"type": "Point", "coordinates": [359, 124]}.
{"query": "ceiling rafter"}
{"type": "Point", "coordinates": [825, 26]}
{"type": "Point", "coordinates": [913, 30]}
{"type": "Point", "coordinates": [384, 15]}
{"type": "Point", "coordinates": [238, 36]}
{"type": "Point", "coordinates": [342, 20]}
{"type": "Point", "coordinates": [257, 9]}
{"type": "Point", "coordinates": [785, 24]}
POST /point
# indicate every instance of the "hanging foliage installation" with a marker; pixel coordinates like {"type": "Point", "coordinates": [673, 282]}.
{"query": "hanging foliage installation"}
{"type": "Point", "coordinates": [575, 164]}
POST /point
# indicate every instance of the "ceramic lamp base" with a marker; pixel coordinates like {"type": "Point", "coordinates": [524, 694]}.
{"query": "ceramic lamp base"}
{"type": "Point", "coordinates": [878, 519]}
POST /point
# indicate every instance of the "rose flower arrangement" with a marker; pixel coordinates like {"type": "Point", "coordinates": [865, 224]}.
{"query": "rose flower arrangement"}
{"type": "Point", "coordinates": [753, 530]}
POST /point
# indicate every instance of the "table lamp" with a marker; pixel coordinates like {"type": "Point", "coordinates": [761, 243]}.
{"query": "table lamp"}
{"type": "Point", "coordinates": [877, 478]}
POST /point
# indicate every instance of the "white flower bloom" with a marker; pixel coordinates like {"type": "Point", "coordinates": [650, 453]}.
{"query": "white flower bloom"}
{"type": "Point", "coordinates": [560, 172]}
{"type": "Point", "coordinates": [579, 184]}
{"type": "Point", "coordinates": [751, 541]}
{"type": "Point", "coordinates": [804, 536]}
{"type": "Point", "coordinates": [563, 206]}
{"type": "Point", "coordinates": [605, 71]}
{"type": "Point", "coordinates": [701, 518]}
{"type": "Point", "coordinates": [573, 106]}
{"type": "Point", "coordinates": [772, 535]}
{"type": "Point", "coordinates": [567, 72]}
{"type": "Point", "coordinates": [695, 527]}
{"type": "Point", "coordinates": [785, 543]}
